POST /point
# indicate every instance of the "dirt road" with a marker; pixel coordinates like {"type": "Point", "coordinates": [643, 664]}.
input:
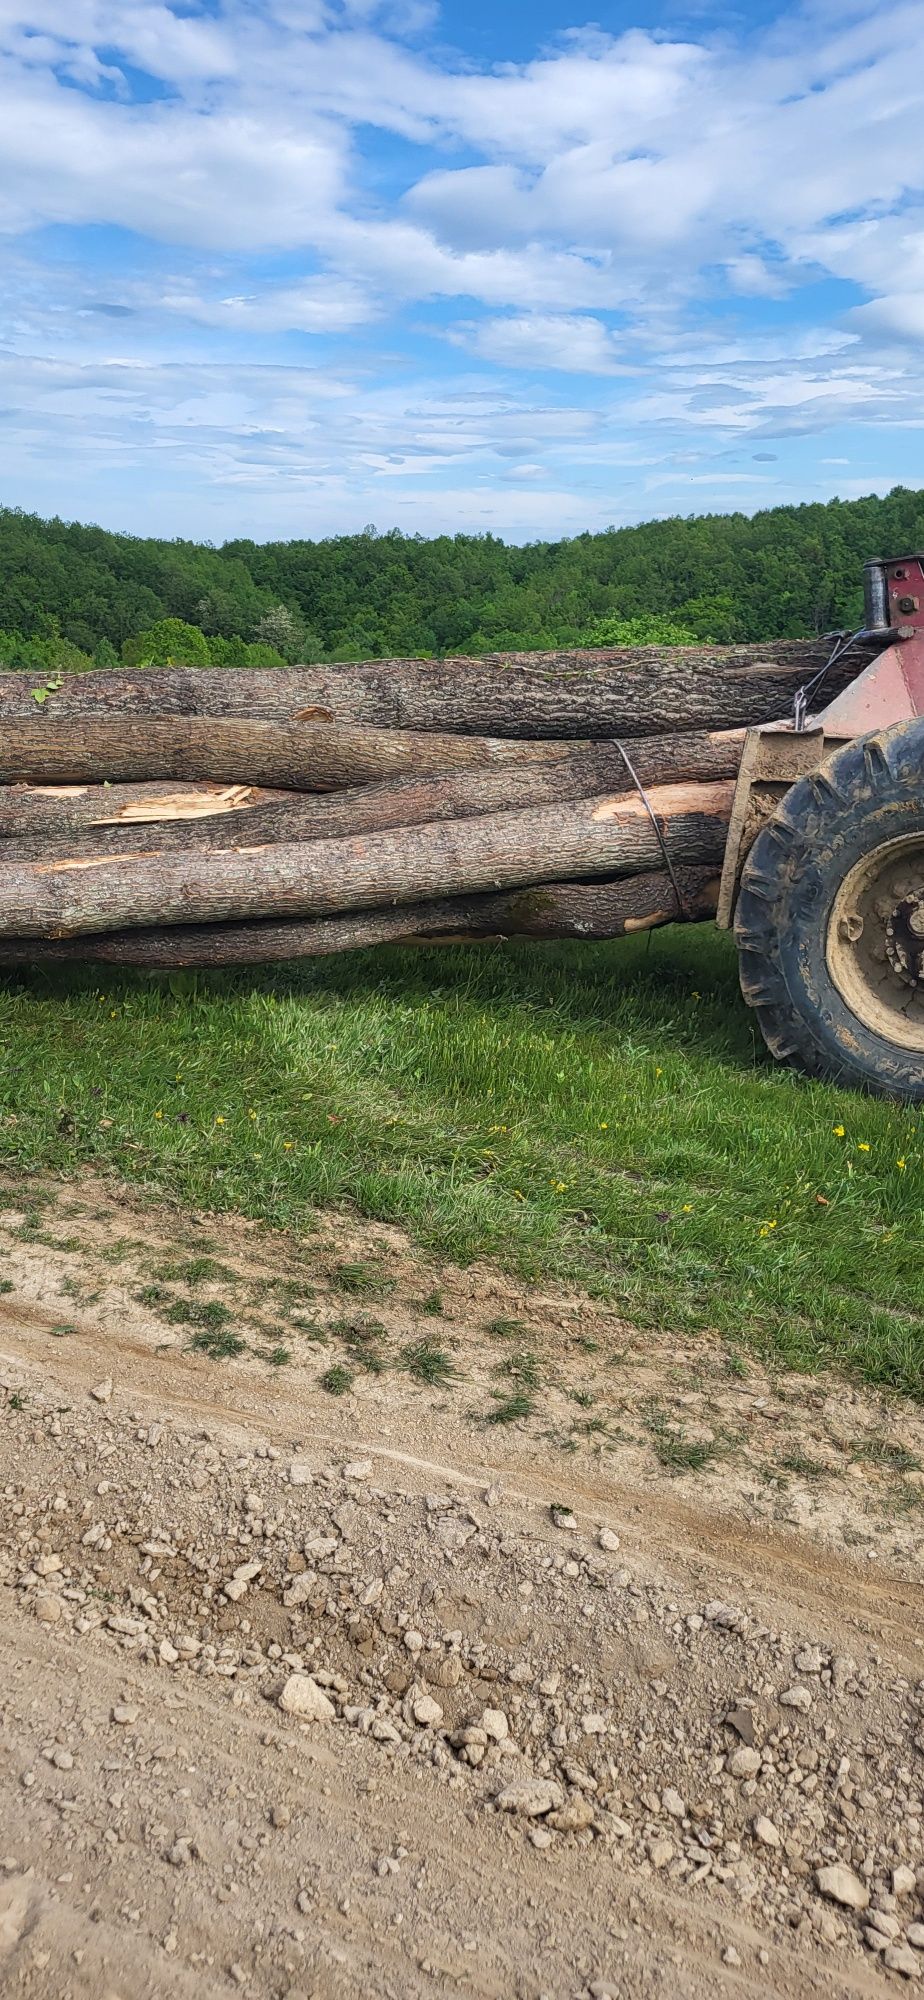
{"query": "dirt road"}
{"type": "Point", "coordinates": [369, 1627]}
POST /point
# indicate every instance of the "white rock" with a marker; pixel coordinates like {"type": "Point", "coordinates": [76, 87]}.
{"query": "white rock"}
{"type": "Point", "coordinates": [299, 1472]}
{"type": "Point", "coordinates": [413, 1640]}
{"type": "Point", "coordinates": [358, 1468]}
{"type": "Point", "coordinates": [47, 1608]}
{"type": "Point", "coordinates": [530, 1796]}
{"type": "Point", "coordinates": [607, 1539]}
{"type": "Point", "coordinates": [168, 1653]}
{"type": "Point", "coordinates": [125, 1712]}
{"type": "Point", "coordinates": [299, 1590]}
{"type": "Point", "coordinates": [15, 1895]}
{"type": "Point", "coordinates": [744, 1763]}
{"type": "Point", "coordinates": [321, 1547]}
{"type": "Point", "coordinates": [494, 1723]}
{"type": "Point", "coordinates": [810, 1660]}
{"type": "Point", "coordinates": [103, 1390]}
{"type": "Point", "coordinates": [796, 1697]}
{"type": "Point", "coordinates": [540, 1837]}
{"type": "Point", "coordinates": [904, 1881]}
{"type": "Point", "coordinates": [841, 1885]}
{"type": "Point", "coordinates": [660, 1852]}
{"type": "Point", "coordinates": [672, 1803]}
{"type": "Point", "coordinates": [302, 1696]}
{"type": "Point", "coordinates": [900, 1958]}
{"type": "Point", "coordinates": [765, 1831]}
{"type": "Point", "coordinates": [915, 1935]}
{"type": "Point", "coordinates": [246, 1572]}
{"type": "Point", "coordinates": [593, 1725]}
{"type": "Point", "coordinates": [888, 1926]}
{"type": "Point", "coordinates": [427, 1712]}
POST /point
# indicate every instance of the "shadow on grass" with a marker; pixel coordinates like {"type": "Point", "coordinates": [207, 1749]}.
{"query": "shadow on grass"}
{"type": "Point", "coordinates": [682, 982]}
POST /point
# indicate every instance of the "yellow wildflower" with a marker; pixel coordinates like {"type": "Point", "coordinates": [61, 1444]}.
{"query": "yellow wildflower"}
{"type": "Point", "coordinates": [862, 1146]}
{"type": "Point", "coordinates": [838, 1131]}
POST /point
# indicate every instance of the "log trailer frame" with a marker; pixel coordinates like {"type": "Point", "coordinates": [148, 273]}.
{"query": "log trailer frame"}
{"type": "Point", "coordinates": [823, 878]}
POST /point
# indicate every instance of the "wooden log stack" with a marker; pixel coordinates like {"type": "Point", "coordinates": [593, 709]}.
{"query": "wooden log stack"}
{"type": "Point", "coordinates": [192, 818]}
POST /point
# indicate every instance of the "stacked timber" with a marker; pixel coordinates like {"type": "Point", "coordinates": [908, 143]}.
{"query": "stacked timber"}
{"type": "Point", "coordinates": [185, 817]}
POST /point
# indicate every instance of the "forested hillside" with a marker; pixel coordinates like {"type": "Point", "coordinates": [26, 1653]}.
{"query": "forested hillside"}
{"type": "Point", "coordinates": [70, 594]}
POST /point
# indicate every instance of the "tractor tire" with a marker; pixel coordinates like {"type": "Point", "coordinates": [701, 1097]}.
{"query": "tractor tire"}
{"type": "Point", "coordinates": [830, 918]}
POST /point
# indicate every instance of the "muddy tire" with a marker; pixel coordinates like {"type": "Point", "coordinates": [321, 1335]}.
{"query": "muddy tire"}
{"type": "Point", "coordinates": [830, 918]}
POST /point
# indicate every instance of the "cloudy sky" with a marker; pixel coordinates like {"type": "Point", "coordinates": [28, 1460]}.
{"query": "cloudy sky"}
{"type": "Point", "coordinates": [282, 267]}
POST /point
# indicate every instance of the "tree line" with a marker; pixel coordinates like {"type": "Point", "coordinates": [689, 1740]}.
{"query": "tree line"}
{"type": "Point", "coordinates": [72, 596]}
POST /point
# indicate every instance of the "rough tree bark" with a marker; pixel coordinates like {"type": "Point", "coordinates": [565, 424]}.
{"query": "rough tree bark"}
{"type": "Point", "coordinates": [40, 821]}
{"type": "Point", "coordinates": [606, 691]}
{"type": "Point", "coordinates": [587, 837]}
{"type": "Point", "coordinates": [310, 756]}
{"type": "Point", "coordinates": [551, 910]}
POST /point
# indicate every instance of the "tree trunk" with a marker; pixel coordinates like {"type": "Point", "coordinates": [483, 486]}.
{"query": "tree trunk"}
{"type": "Point", "coordinates": [592, 837]}
{"type": "Point", "coordinates": [39, 821]}
{"type": "Point", "coordinates": [582, 910]}
{"type": "Point", "coordinates": [309, 756]}
{"type": "Point", "coordinates": [603, 691]}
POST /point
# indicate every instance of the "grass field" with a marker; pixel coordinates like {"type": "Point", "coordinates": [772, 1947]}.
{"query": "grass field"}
{"type": "Point", "coordinates": [603, 1113]}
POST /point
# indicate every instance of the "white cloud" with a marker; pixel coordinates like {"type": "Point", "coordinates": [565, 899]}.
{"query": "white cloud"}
{"type": "Point", "coordinates": [692, 184]}
{"type": "Point", "coordinates": [313, 305]}
{"type": "Point", "coordinates": [563, 341]}
{"type": "Point", "coordinates": [180, 176]}
{"type": "Point", "coordinates": [900, 313]}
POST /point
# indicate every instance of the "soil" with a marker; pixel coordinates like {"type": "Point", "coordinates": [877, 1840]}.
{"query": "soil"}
{"type": "Point", "coordinates": [374, 1627]}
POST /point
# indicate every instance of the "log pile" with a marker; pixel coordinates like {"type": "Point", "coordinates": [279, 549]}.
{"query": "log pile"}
{"type": "Point", "coordinates": [218, 817]}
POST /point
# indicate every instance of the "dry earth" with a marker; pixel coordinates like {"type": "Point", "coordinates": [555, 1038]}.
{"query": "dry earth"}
{"type": "Point", "coordinates": [545, 1659]}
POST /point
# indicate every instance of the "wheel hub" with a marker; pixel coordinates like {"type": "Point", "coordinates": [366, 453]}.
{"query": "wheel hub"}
{"type": "Point", "coordinates": [905, 939]}
{"type": "Point", "coordinates": [875, 942]}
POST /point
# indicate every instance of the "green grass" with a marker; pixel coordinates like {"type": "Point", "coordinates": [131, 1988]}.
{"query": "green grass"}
{"type": "Point", "coordinates": [886, 1453]}
{"type": "Point", "coordinates": [364, 1280]}
{"type": "Point", "coordinates": [522, 1368]}
{"type": "Point", "coordinates": [218, 1342]}
{"type": "Point", "coordinates": [509, 1409]}
{"type": "Point", "coordinates": [428, 1363]}
{"type": "Point", "coordinates": [336, 1380]}
{"type": "Point", "coordinates": [675, 1451]}
{"type": "Point", "coordinates": [196, 1271]}
{"type": "Point", "coordinates": [209, 1314]}
{"type": "Point", "coordinates": [601, 1113]}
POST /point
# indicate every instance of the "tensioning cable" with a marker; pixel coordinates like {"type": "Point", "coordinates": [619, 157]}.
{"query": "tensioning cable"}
{"type": "Point", "coordinates": [682, 910]}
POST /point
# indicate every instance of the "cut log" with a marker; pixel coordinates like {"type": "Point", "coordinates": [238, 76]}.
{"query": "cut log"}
{"type": "Point", "coordinates": [604, 691]}
{"type": "Point", "coordinates": [310, 756]}
{"type": "Point", "coordinates": [553, 910]}
{"type": "Point", "coordinates": [613, 835]}
{"type": "Point", "coordinates": [40, 821]}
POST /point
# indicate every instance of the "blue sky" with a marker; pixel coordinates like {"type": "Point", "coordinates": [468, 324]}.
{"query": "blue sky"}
{"type": "Point", "coordinates": [285, 267]}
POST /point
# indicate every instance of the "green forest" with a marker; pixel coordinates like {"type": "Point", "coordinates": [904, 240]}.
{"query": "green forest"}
{"type": "Point", "coordinates": [72, 597]}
